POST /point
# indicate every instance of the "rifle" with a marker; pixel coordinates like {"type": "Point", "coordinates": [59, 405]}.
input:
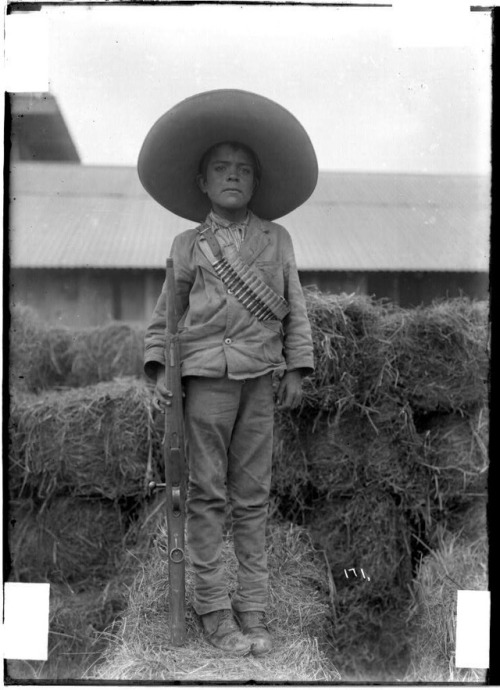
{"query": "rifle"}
{"type": "Point", "coordinates": [175, 463]}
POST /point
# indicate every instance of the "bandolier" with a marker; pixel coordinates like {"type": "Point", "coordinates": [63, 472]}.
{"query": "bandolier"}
{"type": "Point", "coordinates": [258, 297]}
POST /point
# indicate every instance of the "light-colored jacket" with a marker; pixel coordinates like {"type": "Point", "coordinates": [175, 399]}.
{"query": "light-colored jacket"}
{"type": "Point", "coordinates": [217, 334]}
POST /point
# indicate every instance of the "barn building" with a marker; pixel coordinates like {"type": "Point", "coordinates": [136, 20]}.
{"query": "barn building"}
{"type": "Point", "coordinates": [87, 244]}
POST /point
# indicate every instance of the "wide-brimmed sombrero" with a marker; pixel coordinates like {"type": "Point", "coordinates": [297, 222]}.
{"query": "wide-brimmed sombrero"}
{"type": "Point", "coordinates": [170, 155]}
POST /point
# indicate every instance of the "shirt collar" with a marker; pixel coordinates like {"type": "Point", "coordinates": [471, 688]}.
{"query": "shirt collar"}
{"type": "Point", "coordinates": [215, 220]}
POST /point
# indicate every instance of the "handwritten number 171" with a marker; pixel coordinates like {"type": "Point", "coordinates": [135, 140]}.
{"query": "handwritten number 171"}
{"type": "Point", "coordinates": [355, 573]}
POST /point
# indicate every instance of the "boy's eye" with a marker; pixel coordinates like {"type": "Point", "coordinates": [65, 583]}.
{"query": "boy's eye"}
{"type": "Point", "coordinates": [245, 170]}
{"type": "Point", "coordinates": [220, 167]}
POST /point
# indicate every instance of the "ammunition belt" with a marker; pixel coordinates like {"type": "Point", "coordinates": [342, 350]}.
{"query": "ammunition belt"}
{"type": "Point", "coordinates": [258, 297]}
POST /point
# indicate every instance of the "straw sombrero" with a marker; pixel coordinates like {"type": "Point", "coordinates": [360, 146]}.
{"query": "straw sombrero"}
{"type": "Point", "coordinates": [171, 153]}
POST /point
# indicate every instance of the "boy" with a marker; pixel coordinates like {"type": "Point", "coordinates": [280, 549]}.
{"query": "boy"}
{"type": "Point", "coordinates": [233, 161]}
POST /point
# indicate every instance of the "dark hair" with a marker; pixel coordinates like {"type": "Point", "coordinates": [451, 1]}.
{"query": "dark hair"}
{"type": "Point", "coordinates": [235, 145]}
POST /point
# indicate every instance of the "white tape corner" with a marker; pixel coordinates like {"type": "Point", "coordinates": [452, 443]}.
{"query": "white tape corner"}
{"type": "Point", "coordinates": [25, 631]}
{"type": "Point", "coordinates": [430, 23]}
{"type": "Point", "coordinates": [473, 629]}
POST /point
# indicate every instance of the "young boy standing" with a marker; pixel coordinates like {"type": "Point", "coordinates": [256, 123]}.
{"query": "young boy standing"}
{"type": "Point", "coordinates": [232, 161]}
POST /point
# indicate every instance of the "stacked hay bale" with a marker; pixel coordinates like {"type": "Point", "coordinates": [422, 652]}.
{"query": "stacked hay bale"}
{"type": "Point", "coordinates": [81, 436]}
{"type": "Point", "coordinates": [43, 356]}
{"type": "Point", "coordinates": [89, 441]}
{"type": "Point", "coordinates": [77, 467]}
{"type": "Point", "coordinates": [389, 445]}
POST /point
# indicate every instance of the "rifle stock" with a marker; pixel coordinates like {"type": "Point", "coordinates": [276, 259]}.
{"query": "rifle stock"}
{"type": "Point", "coordinates": [175, 466]}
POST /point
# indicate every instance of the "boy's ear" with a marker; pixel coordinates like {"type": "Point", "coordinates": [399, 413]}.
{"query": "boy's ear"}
{"type": "Point", "coordinates": [202, 183]}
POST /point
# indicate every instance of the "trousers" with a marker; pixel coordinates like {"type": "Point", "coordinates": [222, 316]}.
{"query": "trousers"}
{"type": "Point", "coordinates": [229, 437]}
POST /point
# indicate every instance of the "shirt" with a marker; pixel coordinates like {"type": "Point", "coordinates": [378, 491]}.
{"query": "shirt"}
{"type": "Point", "coordinates": [227, 231]}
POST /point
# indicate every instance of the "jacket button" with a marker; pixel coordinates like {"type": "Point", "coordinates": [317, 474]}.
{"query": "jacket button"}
{"type": "Point", "coordinates": [229, 292]}
{"type": "Point", "coordinates": [228, 341]}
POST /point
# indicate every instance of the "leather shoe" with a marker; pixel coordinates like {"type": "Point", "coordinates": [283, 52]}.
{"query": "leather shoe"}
{"type": "Point", "coordinates": [253, 626]}
{"type": "Point", "coordinates": [223, 632]}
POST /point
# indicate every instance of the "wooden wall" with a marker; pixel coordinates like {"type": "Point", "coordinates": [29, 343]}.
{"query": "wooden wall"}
{"type": "Point", "coordinates": [87, 297]}
{"type": "Point", "coordinates": [91, 297]}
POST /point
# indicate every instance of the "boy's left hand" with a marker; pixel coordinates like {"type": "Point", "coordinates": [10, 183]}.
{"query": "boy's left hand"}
{"type": "Point", "coordinates": [290, 389]}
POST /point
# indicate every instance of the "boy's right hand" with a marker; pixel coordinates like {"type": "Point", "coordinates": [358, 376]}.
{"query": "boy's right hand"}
{"type": "Point", "coordinates": [161, 393]}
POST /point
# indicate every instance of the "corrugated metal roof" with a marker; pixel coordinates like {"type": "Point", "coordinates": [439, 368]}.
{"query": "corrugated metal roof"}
{"type": "Point", "coordinates": [390, 238]}
{"type": "Point", "coordinates": [68, 216]}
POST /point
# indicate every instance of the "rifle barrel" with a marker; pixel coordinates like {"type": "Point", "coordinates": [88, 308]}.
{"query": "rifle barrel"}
{"type": "Point", "coordinates": [175, 466]}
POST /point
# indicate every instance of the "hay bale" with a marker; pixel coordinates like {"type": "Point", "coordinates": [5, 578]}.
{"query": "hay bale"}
{"type": "Point", "coordinates": [442, 355]}
{"type": "Point", "coordinates": [456, 450]}
{"type": "Point", "coordinates": [290, 475]}
{"type": "Point", "coordinates": [365, 455]}
{"type": "Point", "coordinates": [366, 539]}
{"type": "Point", "coordinates": [330, 458]}
{"type": "Point", "coordinates": [298, 617]}
{"type": "Point", "coordinates": [64, 540]}
{"type": "Point", "coordinates": [373, 495]}
{"type": "Point", "coordinates": [351, 453]}
{"type": "Point", "coordinates": [349, 530]}
{"type": "Point", "coordinates": [458, 562]}
{"type": "Point", "coordinates": [344, 330]}
{"type": "Point", "coordinates": [366, 351]}
{"type": "Point", "coordinates": [369, 351]}
{"type": "Point", "coordinates": [106, 352]}
{"type": "Point", "coordinates": [339, 456]}
{"type": "Point", "coordinates": [44, 357]}
{"type": "Point", "coordinates": [91, 441]}
{"type": "Point", "coordinates": [37, 352]}
{"type": "Point", "coordinates": [430, 470]}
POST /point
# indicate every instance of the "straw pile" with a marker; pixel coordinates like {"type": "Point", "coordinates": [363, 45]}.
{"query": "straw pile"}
{"type": "Point", "coordinates": [298, 616]}
{"type": "Point", "coordinates": [91, 441]}
{"type": "Point", "coordinates": [43, 357]}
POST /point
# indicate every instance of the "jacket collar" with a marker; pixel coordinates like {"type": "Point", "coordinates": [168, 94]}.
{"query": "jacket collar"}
{"type": "Point", "coordinates": [256, 239]}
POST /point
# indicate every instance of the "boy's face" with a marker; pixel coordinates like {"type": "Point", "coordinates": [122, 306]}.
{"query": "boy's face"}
{"type": "Point", "coordinates": [229, 181]}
